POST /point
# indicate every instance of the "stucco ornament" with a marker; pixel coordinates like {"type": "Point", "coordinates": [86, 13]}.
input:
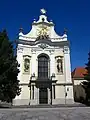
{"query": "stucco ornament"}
{"type": "Point", "coordinates": [26, 65]}
{"type": "Point", "coordinates": [42, 30]}
{"type": "Point", "coordinates": [43, 11]}
{"type": "Point", "coordinates": [43, 45]}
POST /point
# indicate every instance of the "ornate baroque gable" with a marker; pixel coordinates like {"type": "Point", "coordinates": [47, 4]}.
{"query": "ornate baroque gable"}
{"type": "Point", "coordinates": [42, 30]}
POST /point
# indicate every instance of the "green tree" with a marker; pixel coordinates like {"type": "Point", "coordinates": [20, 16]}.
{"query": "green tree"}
{"type": "Point", "coordinates": [9, 85]}
{"type": "Point", "coordinates": [86, 84]}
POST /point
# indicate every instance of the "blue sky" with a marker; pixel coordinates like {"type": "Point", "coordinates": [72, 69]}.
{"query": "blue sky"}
{"type": "Point", "coordinates": [71, 14]}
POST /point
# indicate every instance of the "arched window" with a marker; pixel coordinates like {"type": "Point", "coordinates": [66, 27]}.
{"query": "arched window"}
{"type": "Point", "coordinates": [43, 66]}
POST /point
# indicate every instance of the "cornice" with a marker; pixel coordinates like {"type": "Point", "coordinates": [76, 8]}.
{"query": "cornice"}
{"type": "Point", "coordinates": [49, 42]}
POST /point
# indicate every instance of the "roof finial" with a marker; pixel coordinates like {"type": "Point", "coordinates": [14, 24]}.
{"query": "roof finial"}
{"type": "Point", "coordinates": [43, 11]}
{"type": "Point", "coordinates": [20, 29]}
{"type": "Point", "coordinates": [65, 30]}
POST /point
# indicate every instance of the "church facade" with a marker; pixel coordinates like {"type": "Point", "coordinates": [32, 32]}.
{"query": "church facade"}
{"type": "Point", "coordinates": [45, 69]}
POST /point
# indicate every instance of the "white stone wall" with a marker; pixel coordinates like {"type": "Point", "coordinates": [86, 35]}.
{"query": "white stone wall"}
{"type": "Point", "coordinates": [69, 91]}
{"type": "Point", "coordinates": [67, 65]}
{"type": "Point", "coordinates": [60, 92]}
{"type": "Point", "coordinates": [62, 78]}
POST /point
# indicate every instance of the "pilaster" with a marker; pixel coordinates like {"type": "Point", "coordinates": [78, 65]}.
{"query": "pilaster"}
{"type": "Point", "coordinates": [52, 62]}
{"type": "Point", "coordinates": [33, 62]}
{"type": "Point", "coordinates": [49, 96]}
{"type": "Point", "coordinates": [67, 65]}
{"type": "Point", "coordinates": [20, 60]}
{"type": "Point", "coordinates": [67, 73]}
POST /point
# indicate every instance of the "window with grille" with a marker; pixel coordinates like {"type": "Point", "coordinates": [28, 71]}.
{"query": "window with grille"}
{"type": "Point", "coordinates": [43, 66]}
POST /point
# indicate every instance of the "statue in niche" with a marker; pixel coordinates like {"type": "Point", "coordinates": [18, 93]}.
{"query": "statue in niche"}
{"type": "Point", "coordinates": [26, 65]}
{"type": "Point", "coordinates": [59, 65]}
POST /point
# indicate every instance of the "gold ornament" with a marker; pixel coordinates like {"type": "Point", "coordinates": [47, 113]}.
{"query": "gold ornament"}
{"type": "Point", "coordinates": [42, 30]}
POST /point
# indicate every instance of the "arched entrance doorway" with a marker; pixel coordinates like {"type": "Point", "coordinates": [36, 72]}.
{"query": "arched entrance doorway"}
{"type": "Point", "coordinates": [43, 73]}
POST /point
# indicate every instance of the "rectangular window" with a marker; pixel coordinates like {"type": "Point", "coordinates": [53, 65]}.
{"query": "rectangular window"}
{"type": "Point", "coordinates": [32, 91]}
{"type": "Point", "coordinates": [54, 91]}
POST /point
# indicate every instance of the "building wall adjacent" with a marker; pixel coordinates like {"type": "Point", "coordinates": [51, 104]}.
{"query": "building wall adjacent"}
{"type": "Point", "coordinates": [78, 78]}
{"type": "Point", "coordinates": [79, 91]}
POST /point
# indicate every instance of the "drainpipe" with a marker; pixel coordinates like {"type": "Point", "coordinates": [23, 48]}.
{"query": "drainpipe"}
{"type": "Point", "coordinates": [51, 90]}
{"type": "Point", "coordinates": [53, 76]}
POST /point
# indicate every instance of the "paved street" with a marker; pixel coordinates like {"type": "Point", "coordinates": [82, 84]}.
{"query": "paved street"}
{"type": "Point", "coordinates": [45, 113]}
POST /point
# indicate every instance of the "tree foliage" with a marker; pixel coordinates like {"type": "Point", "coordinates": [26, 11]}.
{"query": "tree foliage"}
{"type": "Point", "coordinates": [9, 85]}
{"type": "Point", "coordinates": [86, 84]}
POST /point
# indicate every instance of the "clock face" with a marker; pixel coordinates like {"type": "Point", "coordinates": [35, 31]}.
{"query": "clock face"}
{"type": "Point", "coordinates": [42, 30]}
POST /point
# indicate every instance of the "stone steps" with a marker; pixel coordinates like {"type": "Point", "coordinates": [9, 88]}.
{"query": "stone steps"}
{"type": "Point", "coordinates": [50, 106]}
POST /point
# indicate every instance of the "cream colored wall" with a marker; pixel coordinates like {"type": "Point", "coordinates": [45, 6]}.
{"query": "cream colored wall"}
{"type": "Point", "coordinates": [58, 51]}
{"type": "Point", "coordinates": [69, 91]}
{"type": "Point", "coordinates": [60, 91]}
{"type": "Point", "coordinates": [34, 62]}
{"type": "Point", "coordinates": [60, 77]}
{"type": "Point", "coordinates": [67, 64]}
{"type": "Point", "coordinates": [25, 94]}
{"type": "Point", "coordinates": [19, 59]}
{"type": "Point", "coordinates": [25, 78]}
{"type": "Point", "coordinates": [27, 51]}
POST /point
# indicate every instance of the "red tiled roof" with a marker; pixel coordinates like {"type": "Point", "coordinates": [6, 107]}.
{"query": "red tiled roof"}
{"type": "Point", "coordinates": [79, 72]}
